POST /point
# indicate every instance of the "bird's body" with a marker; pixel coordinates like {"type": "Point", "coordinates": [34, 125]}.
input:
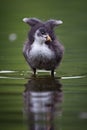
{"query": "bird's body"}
{"type": "Point", "coordinates": [44, 52]}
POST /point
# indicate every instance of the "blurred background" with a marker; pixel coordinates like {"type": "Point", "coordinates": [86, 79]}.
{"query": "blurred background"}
{"type": "Point", "coordinates": [72, 34]}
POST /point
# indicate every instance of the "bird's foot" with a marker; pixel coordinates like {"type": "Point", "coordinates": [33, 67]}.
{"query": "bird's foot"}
{"type": "Point", "coordinates": [52, 73]}
{"type": "Point", "coordinates": [34, 70]}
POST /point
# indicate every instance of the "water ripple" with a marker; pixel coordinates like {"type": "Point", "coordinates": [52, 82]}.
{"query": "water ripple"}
{"type": "Point", "coordinates": [10, 74]}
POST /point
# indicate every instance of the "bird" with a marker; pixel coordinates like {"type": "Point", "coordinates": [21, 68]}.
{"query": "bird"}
{"type": "Point", "coordinates": [42, 49]}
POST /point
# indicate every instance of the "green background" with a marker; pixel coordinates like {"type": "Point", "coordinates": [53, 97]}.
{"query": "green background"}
{"type": "Point", "coordinates": [72, 34]}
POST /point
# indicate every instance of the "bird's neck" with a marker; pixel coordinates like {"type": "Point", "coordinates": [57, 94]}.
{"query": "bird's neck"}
{"type": "Point", "coordinates": [40, 42]}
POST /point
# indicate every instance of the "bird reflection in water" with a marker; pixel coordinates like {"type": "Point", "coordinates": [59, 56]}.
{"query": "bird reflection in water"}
{"type": "Point", "coordinates": [42, 103]}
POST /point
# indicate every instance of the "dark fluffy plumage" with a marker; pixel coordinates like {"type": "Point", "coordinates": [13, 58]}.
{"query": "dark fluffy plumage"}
{"type": "Point", "coordinates": [42, 50]}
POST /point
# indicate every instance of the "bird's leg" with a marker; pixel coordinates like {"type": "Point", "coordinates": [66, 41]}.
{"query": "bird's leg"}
{"type": "Point", "coordinates": [52, 73]}
{"type": "Point", "coordinates": [34, 70]}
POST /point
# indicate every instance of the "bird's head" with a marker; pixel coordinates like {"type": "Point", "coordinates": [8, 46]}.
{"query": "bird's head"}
{"type": "Point", "coordinates": [42, 31]}
{"type": "Point", "coordinates": [42, 35]}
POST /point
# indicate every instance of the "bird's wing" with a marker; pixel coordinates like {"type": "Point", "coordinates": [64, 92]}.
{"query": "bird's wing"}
{"type": "Point", "coordinates": [26, 49]}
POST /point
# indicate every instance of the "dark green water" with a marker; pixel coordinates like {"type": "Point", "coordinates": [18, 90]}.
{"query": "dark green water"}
{"type": "Point", "coordinates": [43, 103]}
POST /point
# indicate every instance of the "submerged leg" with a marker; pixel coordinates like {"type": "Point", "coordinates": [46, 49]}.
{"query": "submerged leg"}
{"type": "Point", "coordinates": [34, 70]}
{"type": "Point", "coordinates": [52, 73]}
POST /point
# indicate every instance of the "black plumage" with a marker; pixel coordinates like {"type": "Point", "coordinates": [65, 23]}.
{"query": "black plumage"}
{"type": "Point", "coordinates": [42, 50]}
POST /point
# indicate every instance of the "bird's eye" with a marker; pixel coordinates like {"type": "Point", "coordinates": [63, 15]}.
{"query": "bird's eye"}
{"type": "Point", "coordinates": [43, 32]}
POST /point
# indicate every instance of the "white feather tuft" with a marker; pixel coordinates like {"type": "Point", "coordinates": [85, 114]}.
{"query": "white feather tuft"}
{"type": "Point", "coordinates": [25, 20]}
{"type": "Point", "coordinates": [59, 21]}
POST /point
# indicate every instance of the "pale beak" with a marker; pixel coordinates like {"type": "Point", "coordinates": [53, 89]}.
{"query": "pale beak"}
{"type": "Point", "coordinates": [48, 38]}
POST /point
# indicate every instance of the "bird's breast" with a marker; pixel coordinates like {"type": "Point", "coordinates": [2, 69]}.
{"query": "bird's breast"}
{"type": "Point", "coordinates": [41, 50]}
{"type": "Point", "coordinates": [41, 56]}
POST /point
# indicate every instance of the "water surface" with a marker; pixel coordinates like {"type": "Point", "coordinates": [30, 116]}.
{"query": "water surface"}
{"type": "Point", "coordinates": [42, 102]}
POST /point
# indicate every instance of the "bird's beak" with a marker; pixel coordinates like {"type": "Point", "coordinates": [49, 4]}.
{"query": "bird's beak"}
{"type": "Point", "coordinates": [48, 38]}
